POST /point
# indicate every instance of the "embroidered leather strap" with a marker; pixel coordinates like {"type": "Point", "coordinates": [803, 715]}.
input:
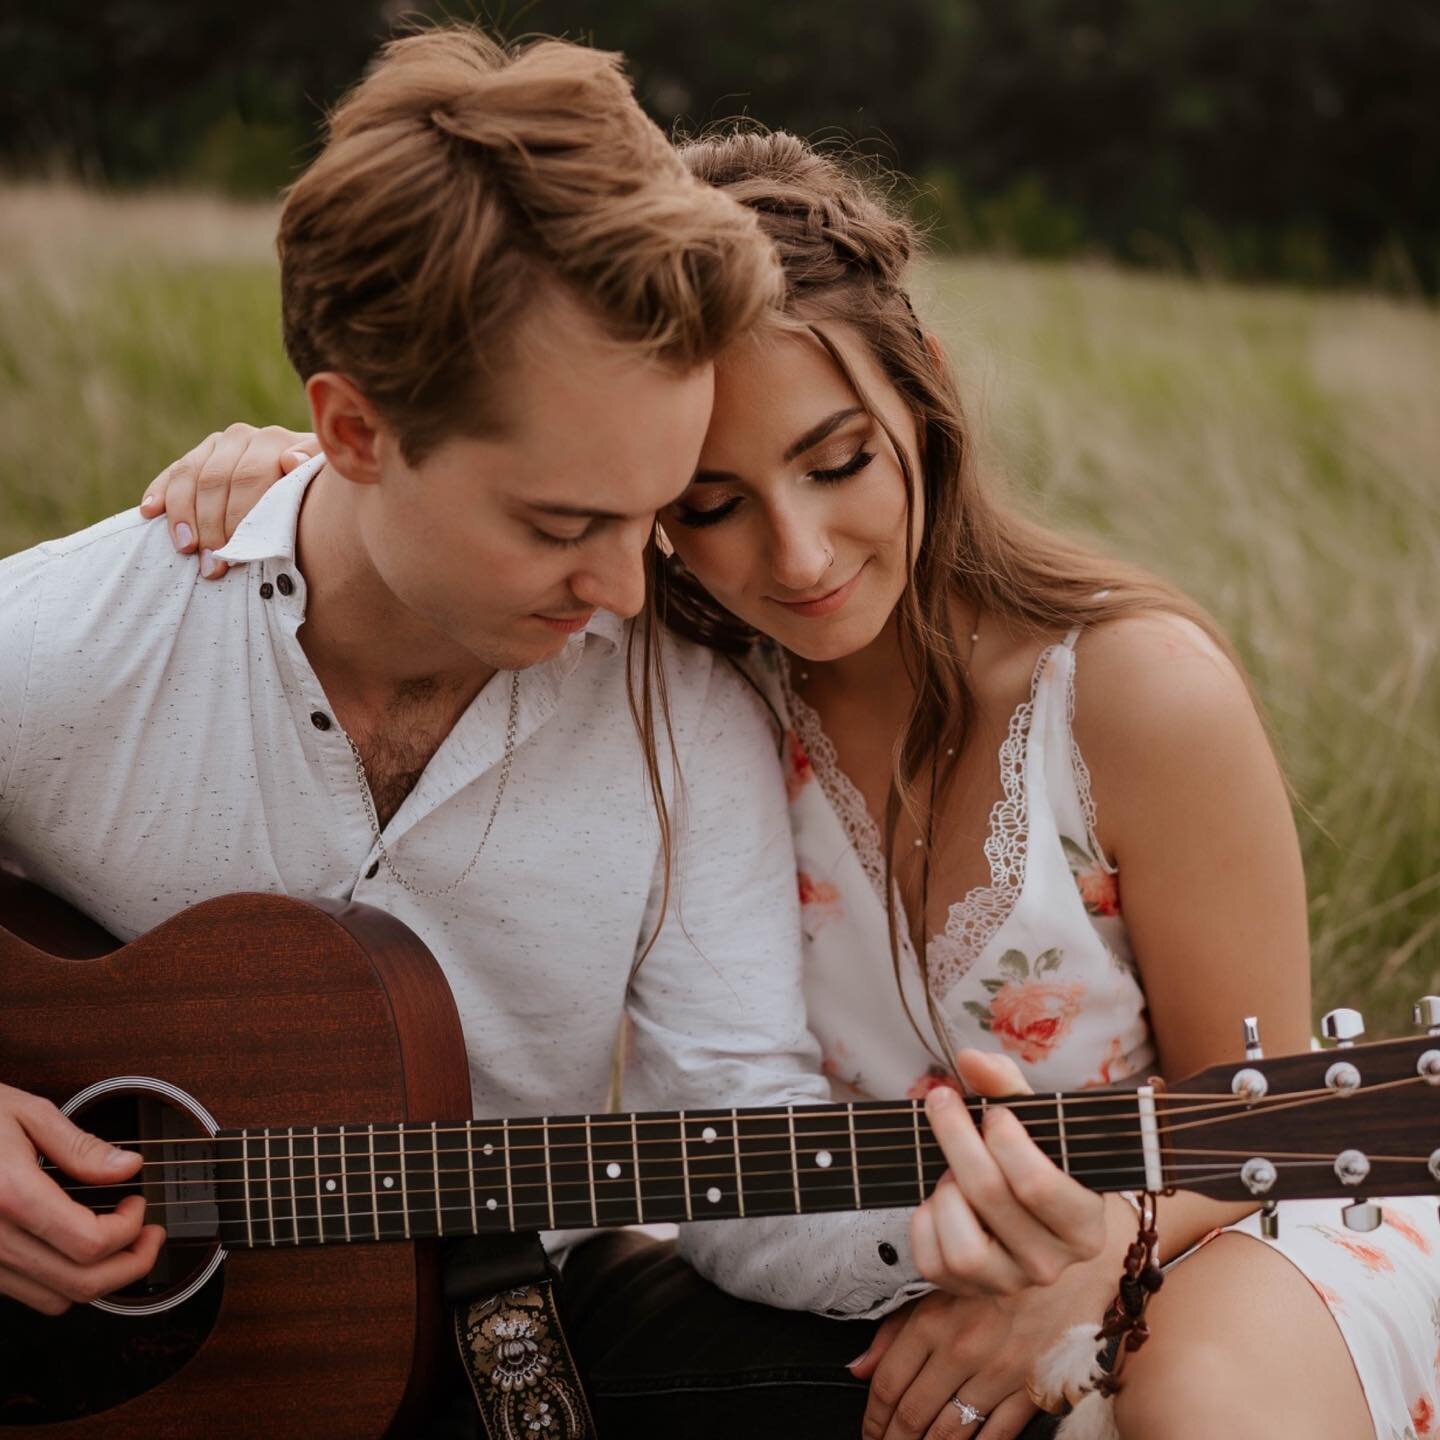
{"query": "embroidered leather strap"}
{"type": "Point", "coordinates": [519, 1365]}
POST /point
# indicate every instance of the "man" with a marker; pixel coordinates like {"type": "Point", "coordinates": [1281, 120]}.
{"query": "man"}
{"type": "Point", "coordinates": [503, 294]}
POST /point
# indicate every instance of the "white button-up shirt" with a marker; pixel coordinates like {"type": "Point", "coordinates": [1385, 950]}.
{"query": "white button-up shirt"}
{"type": "Point", "coordinates": [165, 740]}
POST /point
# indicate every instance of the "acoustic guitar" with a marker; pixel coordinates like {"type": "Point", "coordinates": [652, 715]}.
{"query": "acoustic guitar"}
{"type": "Point", "coordinates": [295, 1077]}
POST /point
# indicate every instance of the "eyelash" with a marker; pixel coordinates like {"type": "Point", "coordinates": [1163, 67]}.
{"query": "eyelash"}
{"type": "Point", "coordinates": [563, 542]}
{"type": "Point", "coordinates": [698, 519]}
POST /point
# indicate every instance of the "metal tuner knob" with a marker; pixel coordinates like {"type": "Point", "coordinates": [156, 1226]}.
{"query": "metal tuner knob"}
{"type": "Point", "coordinates": [1344, 1027]}
{"type": "Point", "coordinates": [1427, 1013]}
{"type": "Point", "coordinates": [1361, 1215]}
{"type": "Point", "coordinates": [1251, 1026]}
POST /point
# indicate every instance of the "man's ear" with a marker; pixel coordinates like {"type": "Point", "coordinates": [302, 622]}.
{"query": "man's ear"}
{"type": "Point", "coordinates": [347, 426]}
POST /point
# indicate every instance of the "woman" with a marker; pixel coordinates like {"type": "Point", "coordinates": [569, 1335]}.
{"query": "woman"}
{"type": "Point", "coordinates": [910, 632]}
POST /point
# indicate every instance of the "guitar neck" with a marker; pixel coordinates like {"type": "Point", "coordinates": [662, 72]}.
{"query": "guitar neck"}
{"type": "Point", "coordinates": [326, 1184]}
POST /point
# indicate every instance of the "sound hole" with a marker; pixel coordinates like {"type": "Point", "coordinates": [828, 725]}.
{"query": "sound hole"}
{"type": "Point", "coordinates": [89, 1360]}
{"type": "Point", "coordinates": [176, 1179]}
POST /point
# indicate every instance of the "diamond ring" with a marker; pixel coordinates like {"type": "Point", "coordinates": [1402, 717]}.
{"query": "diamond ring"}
{"type": "Point", "coordinates": [968, 1413]}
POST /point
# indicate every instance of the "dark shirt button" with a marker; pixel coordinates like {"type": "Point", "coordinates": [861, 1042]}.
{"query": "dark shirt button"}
{"type": "Point", "coordinates": [266, 589]}
{"type": "Point", "coordinates": [888, 1253]}
{"type": "Point", "coordinates": [372, 871]}
{"type": "Point", "coordinates": [319, 719]}
{"type": "Point", "coordinates": [284, 584]}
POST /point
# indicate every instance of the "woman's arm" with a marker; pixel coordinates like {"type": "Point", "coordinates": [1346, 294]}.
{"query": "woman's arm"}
{"type": "Point", "coordinates": [208, 491]}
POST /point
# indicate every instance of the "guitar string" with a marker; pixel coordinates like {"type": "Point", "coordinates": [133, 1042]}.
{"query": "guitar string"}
{"type": "Point", "coordinates": [375, 1214]}
{"type": "Point", "coordinates": [1037, 1131]}
{"type": "Point", "coordinates": [835, 1111]}
{"type": "Point", "coordinates": [422, 1180]}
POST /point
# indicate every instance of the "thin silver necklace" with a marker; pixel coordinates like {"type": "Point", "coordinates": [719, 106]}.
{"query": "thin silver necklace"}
{"type": "Point", "coordinates": [511, 727]}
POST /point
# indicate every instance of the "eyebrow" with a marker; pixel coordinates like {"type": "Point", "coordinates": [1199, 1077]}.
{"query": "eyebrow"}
{"type": "Point", "coordinates": [808, 441]}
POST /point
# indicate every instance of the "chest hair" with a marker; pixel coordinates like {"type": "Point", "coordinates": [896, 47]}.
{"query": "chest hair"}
{"type": "Point", "coordinates": [398, 743]}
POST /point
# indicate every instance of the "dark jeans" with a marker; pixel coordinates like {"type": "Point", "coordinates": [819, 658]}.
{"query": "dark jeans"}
{"type": "Point", "coordinates": [666, 1353]}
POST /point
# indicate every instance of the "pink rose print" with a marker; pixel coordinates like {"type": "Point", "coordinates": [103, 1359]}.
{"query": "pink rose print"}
{"type": "Point", "coordinates": [1422, 1417]}
{"type": "Point", "coordinates": [1112, 1068]}
{"type": "Point", "coordinates": [933, 1079]}
{"type": "Point", "coordinates": [1028, 1015]}
{"type": "Point", "coordinates": [1397, 1221]}
{"type": "Point", "coordinates": [1371, 1257]}
{"type": "Point", "coordinates": [798, 772]}
{"type": "Point", "coordinates": [1100, 890]}
{"type": "Point", "coordinates": [818, 893]}
{"type": "Point", "coordinates": [1334, 1301]}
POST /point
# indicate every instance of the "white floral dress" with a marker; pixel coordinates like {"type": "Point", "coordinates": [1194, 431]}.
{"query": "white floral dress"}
{"type": "Point", "coordinates": [1038, 964]}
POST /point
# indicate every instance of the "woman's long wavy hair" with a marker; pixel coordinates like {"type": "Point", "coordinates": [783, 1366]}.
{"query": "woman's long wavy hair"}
{"type": "Point", "coordinates": [844, 254]}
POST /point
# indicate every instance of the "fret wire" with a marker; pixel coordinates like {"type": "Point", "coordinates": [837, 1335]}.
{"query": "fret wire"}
{"type": "Point", "coordinates": [854, 1153]}
{"type": "Point", "coordinates": [319, 1214]}
{"type": "Point", "coordinates": [245, 1183]}
{"type": "Point", "coordinates": [919, 1163]}
{"type": "Point", "coordinates": [269, 1197]}
{"type": "Point", "coordinates": [435, 1167]}
{"type": "Point", "coordinates": [509, 1187]}
{"type": "Point", "coordinates": [635, 1167]}
{"type": "Point", "coordinates": [404, 1189]}
{"type": "Point", "coordinates": [794, 1164]}
{"type": "Point", "coordinates": [590, 1171]}
{"type": "Point", "coordinates": [735, 1150]}
{"type": "Point", "coordinates": [344, 1184]}
{"type": "Point", "coordinates": [374, 1186]}
{"type": "Point", "coordinates": [1064, 1148]}
{"type": "Point", "coordinates": [294, 1208]}
{"type": "Point", "coordinates": [470, 1171]}
{"type": "Point", "coordinates": [685, 1166]}
{"type": "Point", "coordinates": [549, 1187]}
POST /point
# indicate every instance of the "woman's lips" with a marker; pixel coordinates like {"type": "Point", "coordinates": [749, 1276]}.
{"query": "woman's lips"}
{"type": "Point", "coordinates": [570, 625]}
{"type": "Point", "coordinates": [824, 604]}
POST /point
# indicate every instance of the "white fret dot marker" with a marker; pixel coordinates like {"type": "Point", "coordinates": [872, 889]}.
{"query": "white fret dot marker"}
{"type": "Point", "coordinates": [329, 1184]}
{"type": "Point", "coordinates": [491, 1203]}
{"type": "Point", "coordinates": [823, 1159]}
{"type": "Point", "coordinates": [708, 1134]}
{"type": "Point", "coordinates": [613, 1170]}
{"type": "Point", "coordinates": [713, 1194]}
{"type": "Point", "coordinates": [388, 1182]}
{"type": "Point", "coordinates": [488, 1150]}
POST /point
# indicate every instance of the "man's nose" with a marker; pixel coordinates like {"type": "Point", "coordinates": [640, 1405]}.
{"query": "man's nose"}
{"type": "Point", "coordinates": [617, 583]}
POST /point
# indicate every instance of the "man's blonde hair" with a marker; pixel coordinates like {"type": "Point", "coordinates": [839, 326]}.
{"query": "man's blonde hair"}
{"type": "Point", "coordinates": [457, 178]}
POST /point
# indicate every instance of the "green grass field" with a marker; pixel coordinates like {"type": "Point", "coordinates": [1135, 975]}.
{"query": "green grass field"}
{"type": "Point", "coordinates": [1277, 453]}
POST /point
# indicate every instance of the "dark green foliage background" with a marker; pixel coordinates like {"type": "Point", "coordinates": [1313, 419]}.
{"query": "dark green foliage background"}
{"type": "Point", "coordinates": [1297, 139]}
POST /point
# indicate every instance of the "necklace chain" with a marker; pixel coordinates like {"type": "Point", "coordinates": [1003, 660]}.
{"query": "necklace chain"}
{"type": "Point", "coordinates": [511, 728]}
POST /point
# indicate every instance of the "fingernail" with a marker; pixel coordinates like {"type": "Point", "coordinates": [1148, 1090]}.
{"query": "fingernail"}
{"type": "Point", "coordinates": [209, 565]}
{"type": "Point", "coordinates": [184, 536]}
{"type": "Point", "coordinates": [941, 1096]}
{"type": "Point", "coordinates": [147, 502]}
{"type": "Point", "coordinates": [851, 1364]}
{"type": "Point", "coordinates": [117, 1158]}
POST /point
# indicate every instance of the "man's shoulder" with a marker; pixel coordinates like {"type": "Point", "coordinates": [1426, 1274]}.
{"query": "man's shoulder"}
{"type": "Point", "coordinates": [124, 555]}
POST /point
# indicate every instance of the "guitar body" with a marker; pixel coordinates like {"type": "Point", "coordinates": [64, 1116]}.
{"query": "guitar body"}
{"type": "Point", "coordinates": [268, 1012]}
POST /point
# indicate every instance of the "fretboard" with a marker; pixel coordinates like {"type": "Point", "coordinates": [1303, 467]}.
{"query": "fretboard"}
{"type": "Point", "coordinates": [335, 1183]}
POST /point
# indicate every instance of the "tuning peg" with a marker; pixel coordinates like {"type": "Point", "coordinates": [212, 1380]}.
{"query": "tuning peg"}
{"type": "Point", "coordinates": [1362, 1215]}
{"type": "Point", "coordinates": [1427, 1013]}
{"type": "Point", "coordinates": [1252, 1038]}
{"type": "Point", "coordinates": [1344, 1027]}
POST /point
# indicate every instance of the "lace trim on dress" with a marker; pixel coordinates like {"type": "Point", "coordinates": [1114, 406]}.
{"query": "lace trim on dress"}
{"type": "Point", "coordinates": [1080, 769]}
{"type": "Point", "coordinates": [844, 796]}
{"type": "Point", "coordinates": [972, 920]}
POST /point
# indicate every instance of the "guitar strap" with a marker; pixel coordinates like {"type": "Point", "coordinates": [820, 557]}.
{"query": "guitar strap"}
{"type": "Point", "coordinates": [501, 1293]}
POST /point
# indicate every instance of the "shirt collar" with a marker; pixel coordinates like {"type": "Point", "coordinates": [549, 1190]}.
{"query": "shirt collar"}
{"type": "Point", "coordinates": [268, 533]}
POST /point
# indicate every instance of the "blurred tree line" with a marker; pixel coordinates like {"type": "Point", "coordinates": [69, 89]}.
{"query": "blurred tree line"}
{"type": "Point", "coordinates": [1297, 139]}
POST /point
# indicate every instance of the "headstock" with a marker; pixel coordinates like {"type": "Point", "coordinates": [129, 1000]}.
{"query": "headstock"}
{"type": "Point", "coordinates": [1350, 1121]}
